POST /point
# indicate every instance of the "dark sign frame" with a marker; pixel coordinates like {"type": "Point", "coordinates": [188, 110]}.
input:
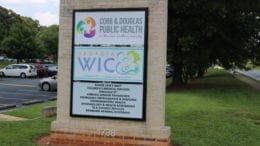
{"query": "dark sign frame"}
{"type": "Point", "coordinates": [146, 11]}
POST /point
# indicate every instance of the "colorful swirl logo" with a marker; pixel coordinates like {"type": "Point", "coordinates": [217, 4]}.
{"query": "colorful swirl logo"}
{"type": "Point", "coordinates": [129, 64]}
{"type": "Point", "coordinates": [87, 27]}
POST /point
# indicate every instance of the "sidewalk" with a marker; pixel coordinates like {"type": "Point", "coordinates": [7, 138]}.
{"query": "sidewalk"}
{"type": "Point", "coordinates": [253, 74]}
{"type": "Point", "coordinates": [253, 82]}
{"type": "Point", "coordinates": [10, 118]}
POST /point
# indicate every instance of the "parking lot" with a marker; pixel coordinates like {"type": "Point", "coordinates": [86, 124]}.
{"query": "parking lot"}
{"type": "Point", "coordinates": [17, 92]}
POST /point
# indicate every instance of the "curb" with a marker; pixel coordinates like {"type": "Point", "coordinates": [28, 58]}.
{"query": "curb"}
{"type": "Point", "coordinates": [52, 99]}
{"type": "Point", "coordinates": [247, 75]}
{"type": "Point", "coordinates": [32, 102]}
{"type": "Point", "coordinates": [7, 106]}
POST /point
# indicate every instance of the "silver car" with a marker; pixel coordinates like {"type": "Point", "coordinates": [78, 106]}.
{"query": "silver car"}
{"type": "Point", "coordinates": [48, 84]}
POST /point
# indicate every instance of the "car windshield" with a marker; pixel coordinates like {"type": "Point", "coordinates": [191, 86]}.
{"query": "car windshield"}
{"type": "Point", "coordinates": [52, 67]}
{"type": "Point", "coordinates": [54, 77]}
{"type": "Point", "coordinates": [9, 67]}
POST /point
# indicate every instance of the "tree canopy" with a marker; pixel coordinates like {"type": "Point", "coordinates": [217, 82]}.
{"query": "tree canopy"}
{"type": "Point", "coordinates": [206, 32]}
{"type": "Point", "coordinates": [24, 38]}
{"type": "Point", "coordinates": [47, 41]}
{"type": "Point", "coordinates": [19, 44]}
{"type": "Point", "coordinates": [7, 17]}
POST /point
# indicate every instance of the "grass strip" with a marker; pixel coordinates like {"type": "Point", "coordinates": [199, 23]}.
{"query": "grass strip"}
{"type": "Point", "coordinates": [24, 133]}
{"type": "Point", "coordinates": [215, 110]}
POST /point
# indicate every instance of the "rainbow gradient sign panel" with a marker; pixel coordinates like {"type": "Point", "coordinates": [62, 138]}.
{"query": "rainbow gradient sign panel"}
{"type": "Point", "coordinates": [110, 27]}
{"type": "Point", "coordinates": [108, 78]}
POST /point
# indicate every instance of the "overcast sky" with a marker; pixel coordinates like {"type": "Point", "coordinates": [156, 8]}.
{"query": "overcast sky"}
{"type": "Point", "coordinates": [46, 11]}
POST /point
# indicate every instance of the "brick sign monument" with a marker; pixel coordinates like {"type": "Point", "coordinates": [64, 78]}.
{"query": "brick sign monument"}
{"type": "Point", "coordinates": [112, 58]}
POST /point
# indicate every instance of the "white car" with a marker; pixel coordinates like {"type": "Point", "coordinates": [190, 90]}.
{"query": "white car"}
{"type": "Point", "coordinates": [20, 70]}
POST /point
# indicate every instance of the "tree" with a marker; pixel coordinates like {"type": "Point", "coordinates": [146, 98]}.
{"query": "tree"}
{"type": "Point", "coordinates": [206, 32]}
{"type": "Point", "coordinates": [17, 35]}
{"type": "Point", "coordinates": [7, 18]}
{"type": "Point", "coordinates": [47, 41]}
{"type": "Point", "coordinates": [20, 43]}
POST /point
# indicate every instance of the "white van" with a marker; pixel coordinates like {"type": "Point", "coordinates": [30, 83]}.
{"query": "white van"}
{"type": "Point", "coordinates": [22, 70]}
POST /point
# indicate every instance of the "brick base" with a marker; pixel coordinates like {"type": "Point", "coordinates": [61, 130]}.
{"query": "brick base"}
{"type": "Point", "coordinates": [65, 138]}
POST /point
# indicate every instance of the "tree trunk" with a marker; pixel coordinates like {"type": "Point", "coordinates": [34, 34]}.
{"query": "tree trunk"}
{"type": "Point", "coordinates": [55, 58]}
{"type": "Point", "coordinates": [178, 74]}
{"type": "Point", "coordinates": [201, 72]}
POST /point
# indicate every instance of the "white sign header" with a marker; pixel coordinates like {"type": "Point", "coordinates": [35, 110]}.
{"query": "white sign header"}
{"type": "Point", "coordinates": [109, 28]}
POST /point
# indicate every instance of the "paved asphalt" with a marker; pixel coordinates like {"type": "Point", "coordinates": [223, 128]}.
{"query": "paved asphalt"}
{"type": "Point", "coordinates": [16, 92]}
{"type": "Point", "coordinates": [254, 73]}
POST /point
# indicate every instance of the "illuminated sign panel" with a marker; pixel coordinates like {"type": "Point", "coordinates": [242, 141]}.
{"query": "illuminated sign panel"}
{"type": "Point", "coordinates": [109, 63]}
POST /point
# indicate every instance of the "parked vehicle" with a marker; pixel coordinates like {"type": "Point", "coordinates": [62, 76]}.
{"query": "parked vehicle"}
{"type": "Point", "coordinates": [3, 58]}
{"type": "Point", "coordinates": [41, 70]}
{"type": "Point", "coordinates": [169, 70]}
{"type": "Point", "coordinates": [52, 70]}
{"type": "Point", "coordinates": [22, 70]}
{"type": "Point", "coordinates": [48, 84]}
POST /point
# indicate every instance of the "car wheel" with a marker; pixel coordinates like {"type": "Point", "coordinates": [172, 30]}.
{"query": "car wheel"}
{"type": "Point", "coordinates": [46, 87]}
{"type": "Point", "coordinates": [2, 74]}
{"type": "Point", "coordinates": [23, 75]}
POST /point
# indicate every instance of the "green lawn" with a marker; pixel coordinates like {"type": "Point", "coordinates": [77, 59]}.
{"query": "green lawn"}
{"type": "Point", "coordinates": [215, 110]}
{"type": "Point", "coordinates": [24, 133]}
{"type": "Point", "coordinates": [257, 68]}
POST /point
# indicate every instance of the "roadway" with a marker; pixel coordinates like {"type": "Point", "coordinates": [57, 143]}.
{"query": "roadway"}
{"type": "Point", "coordinates": [17, 92]}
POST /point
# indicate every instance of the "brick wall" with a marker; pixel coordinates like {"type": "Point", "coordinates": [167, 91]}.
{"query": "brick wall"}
{"type": "Point", "coordinates": [68, 138]}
